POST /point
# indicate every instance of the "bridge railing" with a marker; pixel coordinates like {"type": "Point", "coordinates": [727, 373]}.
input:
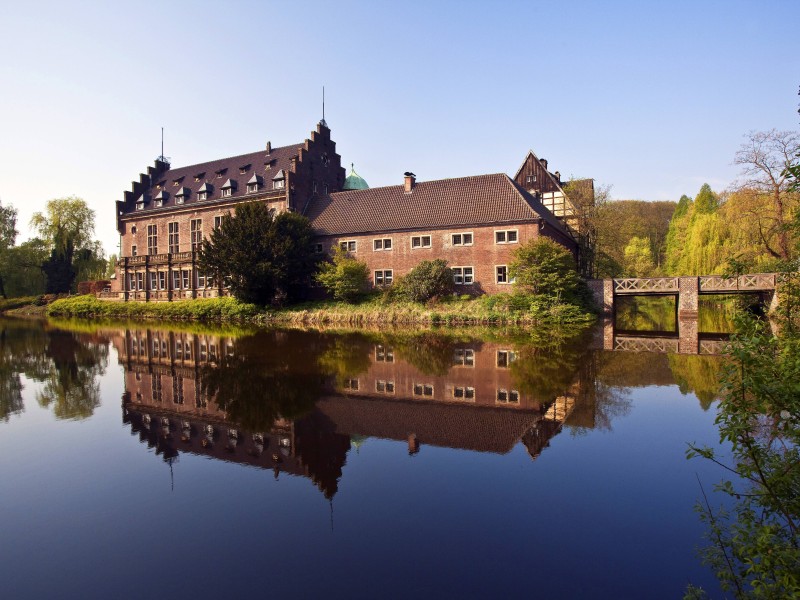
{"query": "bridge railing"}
{"type": "Point", "coordinates": [755, 282]}
{"type": "Point", "coordinates": [646, 285]}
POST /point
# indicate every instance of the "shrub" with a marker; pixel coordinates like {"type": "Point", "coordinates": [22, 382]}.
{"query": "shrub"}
{"type": "Point", "coordinates": [345, 278]}
{"type": "Point", "coordinates": [429, 279]}
{"type": "Point", "coordinates": [545, 267]}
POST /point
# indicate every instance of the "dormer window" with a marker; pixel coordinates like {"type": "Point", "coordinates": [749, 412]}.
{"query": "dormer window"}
{"type": "Point", "coordinates": [228, 188]}
{"type": "Point", "coordinates": [221, 172]}
{"type": "Point", "coordinates": [140, 203]}
{"type": "Point", "coordinates": [160, 198]}
{"type": "Point", "coordinates": [204, 191]}
{"type": "Point", "coordinates": [279, 181]}
{"type": "Point", "coordinates": [199, 176]}
{"type": "Point", "coordinates": [177, 182]}
{"type": "Point", "coordinates": [253, 184]}
{"type": "Point", "coordinates": [181, 195]}
{"type": "Point", "coordinates": [244, 169]}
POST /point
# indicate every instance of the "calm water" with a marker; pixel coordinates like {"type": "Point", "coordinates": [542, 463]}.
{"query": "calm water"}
{"type": "Point", "coordinates": [142, 462]}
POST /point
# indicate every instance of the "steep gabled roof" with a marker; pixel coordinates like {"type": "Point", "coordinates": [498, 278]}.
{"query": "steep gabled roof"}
{"type": "Point", "coordinates": [532, 154]}
{"type": "Point", "coordinates": [463, 201]}
{"type": "Point", "coordinates": [279, 159]}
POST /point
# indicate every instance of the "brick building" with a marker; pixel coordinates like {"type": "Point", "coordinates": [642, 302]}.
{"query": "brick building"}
{"type": "Point", "coordinates": [474, 223]}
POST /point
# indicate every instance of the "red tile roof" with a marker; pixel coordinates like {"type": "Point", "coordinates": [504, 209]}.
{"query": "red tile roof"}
{"type": "Point", "coordinates": [480, 199]}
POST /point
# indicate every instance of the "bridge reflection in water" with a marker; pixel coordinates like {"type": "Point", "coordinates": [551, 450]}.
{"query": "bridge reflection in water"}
{"type": "Point", "coordinates": [296, 402]}
{"type": "Point", "coordinates": [686, 340]}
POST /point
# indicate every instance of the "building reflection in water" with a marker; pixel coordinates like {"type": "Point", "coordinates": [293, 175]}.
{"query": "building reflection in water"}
{"type": "Point", "coordinates": [292, 401]}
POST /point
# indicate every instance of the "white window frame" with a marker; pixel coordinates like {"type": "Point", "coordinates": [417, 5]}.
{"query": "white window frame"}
{"type": "Point", "coordinates": [505, 358]}
{"type": "Point", "coordinates": [186, 278]}
{"type": "Point", "coordinates": [278, 184]}
{"type": "Point", "coordinates": [176, 279]}
{"type": "Point", "coordinates": [227, 192]}
{"type": "Point", "coordinates": [202, 195]}
{"type": "Point", "coordinates": [179, 199]}
{"type": "Point", "coordinates": [422, 244]}
{"type": "Point", "coordinates": [509, 280]}
{"type": "Point", "coordinates": [133, 250]}
{"type": "Point", "coordinates": [504, 233]}
{"type": "Point", "coordinates": [140, 206]}
{"type": "Point", "coordinates": [464, 357]}
{"type": "Point", "coordinates": [505, 396]}
{"type": "Point", "coordinates": [380, 244]}
{"type": "Point", "coordinates": [467, 393]}
{"type": "Point", "coordinates": [383, 386]}
{"type": "Point", "coordinates": [252, 188]}
{"type": "Point", "coordinates": [159, 203]}
{"type": "Point", "coordinates": [345, 245]}
{"type": "Point", "coordinates": [460, 276]}
{"type": "Point", "coordinates": [196, 234]}
{"type": "Point", "coordinates": [162, 280]}
{"type": "Point", "coordinates": [383, 277]}
{"type": "Point", "coordinates": [425, 389]}
{"type": "Point", "coordinates": [461, 236]}
{"type": "Point", "coordinates": [152, 281]}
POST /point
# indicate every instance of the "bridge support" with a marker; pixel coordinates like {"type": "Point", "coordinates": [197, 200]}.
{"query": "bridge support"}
{"type": "Point", "coordinates": [688, 297]}
{"type": "Point", "coordinates": [603, 295]}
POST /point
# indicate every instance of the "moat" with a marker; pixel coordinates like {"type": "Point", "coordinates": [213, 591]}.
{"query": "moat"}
{"type": "Point", "coordinates": [450, 463]}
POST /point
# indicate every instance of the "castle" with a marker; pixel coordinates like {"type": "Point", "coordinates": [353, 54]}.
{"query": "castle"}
{"type": "Point", "coordinates": [474, 222]}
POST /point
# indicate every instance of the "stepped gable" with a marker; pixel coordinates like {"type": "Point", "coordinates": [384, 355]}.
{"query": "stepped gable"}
{"type": "Point", "coordinates": [452, 426]}
{"type": "Point", "coordinates": [238, 169]}
{"type": "Point", "coordinates": [463, 201]}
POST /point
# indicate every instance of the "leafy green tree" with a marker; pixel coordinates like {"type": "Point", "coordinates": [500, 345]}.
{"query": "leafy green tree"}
{"type": "Point", "coordinates": [638, 258]}
{"type": "Point", "coordinates": [8, 235]}
{"type": "Point", "coordinates": [344, 277]}
{"type": "Point", "coordinates": [545, 267]}
{"type": "Point", "coordinates": [23, 275]}
{"type": "Point", "coordinates": [706, 201]}
{"type": "Point", "coordinates": [264, 258]}
{"type": "Point", "coordinates": [429, 279]}
{"type": "Point", "coordinates": [68, 229]}
{"type": "Point", "coordinates": [111, 265]}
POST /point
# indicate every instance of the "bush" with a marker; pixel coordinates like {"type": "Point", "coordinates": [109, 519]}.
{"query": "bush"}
{"type": "Point", "coordinates": [545, 267]}
{"type": "Point", "coordinates": [224, 309]}
{"type": "Point", "coordinates": [429, 279]}
{"type": "Point", "coordinates": [345, 278]}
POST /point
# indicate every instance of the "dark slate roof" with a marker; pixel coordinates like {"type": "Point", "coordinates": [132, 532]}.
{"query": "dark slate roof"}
{"type": "Point", "coordinates": [464, 201]}
{"type": "Point", "coordinates": [279, 159]}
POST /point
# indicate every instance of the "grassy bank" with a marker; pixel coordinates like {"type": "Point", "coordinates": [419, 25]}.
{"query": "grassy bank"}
{"type": "Point", "coordinates": [502, 309]}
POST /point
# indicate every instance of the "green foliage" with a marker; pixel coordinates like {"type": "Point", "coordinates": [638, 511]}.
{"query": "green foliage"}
{"type": "Point", "coordinates": [344, 277]}
{"type": "Point", "coordinates": [265, 258]}
{"type": "Point", "coordinates": [754, 548]}
{"type": "Point", "coordinates": [429, 279]}
{"type": "Point", "coordinates": [706, 201]}
{"type": "Point", "coordinates": [202, 309]}
{"type": "Point", "coordinates": [544, 267]}
{"type": "Point", "coordinates": [639, 258]}
{"type": "Point", "coordinates": [67, 229]}
{"type": "Point", "coordinates": [8, 235]}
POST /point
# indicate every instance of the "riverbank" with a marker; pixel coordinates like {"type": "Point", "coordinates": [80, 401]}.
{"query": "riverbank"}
{"type": "Point", "coordinates": [502, 309]}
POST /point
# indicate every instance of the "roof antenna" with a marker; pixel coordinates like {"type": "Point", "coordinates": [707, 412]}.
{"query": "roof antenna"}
{"type": "Point", "coordinates": [323, 107]}
{"type": "Point", "coordinates": [163, 158]}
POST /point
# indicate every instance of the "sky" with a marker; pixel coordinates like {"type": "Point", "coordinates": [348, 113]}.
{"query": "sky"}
{"type": "Point", "coordinates": [651, 98]}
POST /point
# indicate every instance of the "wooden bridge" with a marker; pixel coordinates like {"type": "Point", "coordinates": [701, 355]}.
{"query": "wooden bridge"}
{"type": "Point", "coordinates": [687, 290]}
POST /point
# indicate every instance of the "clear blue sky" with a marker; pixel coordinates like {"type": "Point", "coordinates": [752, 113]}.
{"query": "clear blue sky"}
{"type": "Point", "coordinates": [652, 98]}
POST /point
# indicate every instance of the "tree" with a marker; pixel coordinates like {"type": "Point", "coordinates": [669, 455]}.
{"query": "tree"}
{"type": "Point", "coordinates": [344, 277]}
{"type": "Point", "coordinates": [111, 265]}
{"type": "Point", "coordinates": [67, 228]}
{"type": "Point", "coordinates": [22, 270]}
{"type": "Point", "coordinates": [264, 258]}
{"type": "Point", "coordinates": [429, 279]}
{"type": "Point", "coordinates": [638, 258]}
{"type": "Point", "coordinates": [8, 235]}
{"type": "Point", "coordinates": [545, 267]}
{"type": "Point", "coordinates": [767, 160]}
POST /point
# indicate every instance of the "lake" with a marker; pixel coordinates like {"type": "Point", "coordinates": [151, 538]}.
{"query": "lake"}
{"type": "Point", "coordinates": [141, 460]}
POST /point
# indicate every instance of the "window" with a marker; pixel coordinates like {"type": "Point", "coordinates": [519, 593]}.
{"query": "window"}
{"type": "Point", "coordinates": [140, 281]}
{"type": "Point", "coordinates": [133, 250]}
{"type": "Point", "coordinates": [382, 244]}
{"type": "Point", "coordinates": [278, 184]}
{"type": "Point", "coordinates": [162, 280]}
{"type": "Point", "coordinates": [505, 358]}
{"type": "Point", "coordinates": [159, 203]}
{"type": "Point", "coordinates": [503, 276]}
{"type": "Point", "coordinates": [226, 192]}
{"type": "Point", "coordinates": [172, 229]}
{"type": "Point", "coordinates": [463, 275]}
{"type": "Point", "coordinates": [202, 195]}
{"type": "Point", "coordinates": [318, 248]}
{"type": "Point", "coordinates": [464, 393]}
{"type": "Point", "coordinates": [462, 239]}
{"type": "Point", "coordinates": [421, 241]}
{"type": "Point", "coordinates": [351, 384]}
{"type": "Point", "coordinates": [196, 231]}
{"type": "Point", "coordinates": [201, 279]}
{"type": "Point", "coordinates": [531, 179]}
{"type": "Point", "coordinates": [176, 280]}
{"type": "Point", "coordinates": [325, 188]}
{"type": "Point", "coordinates": [421, 389]}
{"type": "Point", "coordinates": [139, 205]}
{"type": "Point", "coordinates": [507, 397]}
{"type": "Point", "coordinates": [152, 239]}
{"type": "Point", "coordinates": [185, 278]}
{"type": "Point", "coordinates": [133, 229]}
{"type": "Point", "coordinates": [153, 283]}
{"type": "Point", "coordinates": [384, 387]}
{"type": "Point", "coordinates": [383, 277]}
{"type": "Point", "coordinates": [348, 246]}
{"type": "Point", "coordinates": [252, 187]}
{"type": "Point", "coordinates": [179, 199]}
{"type": "Point", "coordinates": [464, 356]}
{"type": "Point", "coordinates": [217, 222]}
{"type": "Point", "coordinates": [383, 354]}
{"type": "Point", "coordinates": [506, 236]}
{"type": "Point", "coordinates": [131, 282]}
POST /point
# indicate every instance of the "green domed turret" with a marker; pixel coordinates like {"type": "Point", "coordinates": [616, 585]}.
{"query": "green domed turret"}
{"type": "Point", "coordinates": [354, 181]}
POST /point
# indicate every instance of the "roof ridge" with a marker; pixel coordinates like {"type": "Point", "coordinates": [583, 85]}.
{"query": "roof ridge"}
{"type": "Point", "coordinates": [216, 160]}
{"type": "Point", "coordinates": [426, 181]}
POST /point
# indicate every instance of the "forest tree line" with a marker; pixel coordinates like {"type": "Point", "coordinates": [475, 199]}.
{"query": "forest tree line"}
{"type": "Point", "coordinates": [752, 226]}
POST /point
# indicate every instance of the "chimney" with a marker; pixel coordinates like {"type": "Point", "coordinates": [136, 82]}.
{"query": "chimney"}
{"type": "Point", "coordinates": [409, 181]}
{"type": "Point", "coordinates": [269, 147]}
{"type": "Point", "coordinates": [558, 176]}
{"type": "Point", "coordinates": [544, 162]}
